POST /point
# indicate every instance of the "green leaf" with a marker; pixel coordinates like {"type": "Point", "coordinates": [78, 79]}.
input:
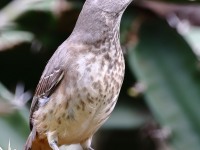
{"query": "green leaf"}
{"type": "Point", "coordinates": [193, 37]}
{"type": "Point", "coordinates": [126, 117]}
{"type": "Point", "coordinates": [164, 62]}
{"type": "Point", "coordinates": [14, 125]}
{"type": "Point", "coordinates": [14, 128]}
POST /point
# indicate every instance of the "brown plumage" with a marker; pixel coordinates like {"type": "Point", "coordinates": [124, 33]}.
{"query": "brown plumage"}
{"type": "Point", "coordinates": [81, 82]}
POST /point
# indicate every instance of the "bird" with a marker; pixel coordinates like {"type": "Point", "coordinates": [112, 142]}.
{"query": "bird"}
{"type": "Point", "coordinates": [81, 82]}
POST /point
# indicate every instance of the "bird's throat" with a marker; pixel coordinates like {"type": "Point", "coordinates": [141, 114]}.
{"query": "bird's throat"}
{"type": "Point", "coordinates": [96, 25]}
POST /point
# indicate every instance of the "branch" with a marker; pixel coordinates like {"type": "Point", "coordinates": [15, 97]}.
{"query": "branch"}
{"type": "Point", "coordinates": [188, 12]}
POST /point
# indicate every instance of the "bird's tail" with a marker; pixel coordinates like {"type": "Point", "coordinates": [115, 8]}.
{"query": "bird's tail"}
{"type": "Point", "coordinates": [34, 143]}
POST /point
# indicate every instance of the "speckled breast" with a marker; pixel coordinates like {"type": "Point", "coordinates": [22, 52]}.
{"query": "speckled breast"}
{"type": "Point", "coordinates": [86, 101]}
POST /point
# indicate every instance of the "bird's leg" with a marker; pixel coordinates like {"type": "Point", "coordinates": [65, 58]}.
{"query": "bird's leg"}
{"type": "Point", "coordinates": [53, 140]}
{"type": "Point", "coordinates": [86, 145]}
{"type": "Point", "coordinates": [53, 145]}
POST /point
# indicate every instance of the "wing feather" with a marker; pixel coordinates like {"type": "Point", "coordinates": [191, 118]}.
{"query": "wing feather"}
{"type": "Point", "coordinates": [45, 87]}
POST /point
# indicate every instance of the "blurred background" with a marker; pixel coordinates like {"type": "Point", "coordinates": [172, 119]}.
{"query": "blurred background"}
{"type": "Point", "coordinates": [159, 104]}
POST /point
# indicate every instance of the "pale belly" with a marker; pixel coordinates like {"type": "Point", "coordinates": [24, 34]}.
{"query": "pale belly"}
{"type": "Point", "coordinates": [76, 123]}
{"type": "Point", "coordinates": [84, 124]}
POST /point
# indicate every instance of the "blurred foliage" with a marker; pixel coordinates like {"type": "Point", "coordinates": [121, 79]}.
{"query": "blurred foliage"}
{"type": "Point", "coordinates": [159, 100]}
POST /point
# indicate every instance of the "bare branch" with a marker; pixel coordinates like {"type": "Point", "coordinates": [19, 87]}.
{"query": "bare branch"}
{"type": "Point", "coordinates": [188, 12]}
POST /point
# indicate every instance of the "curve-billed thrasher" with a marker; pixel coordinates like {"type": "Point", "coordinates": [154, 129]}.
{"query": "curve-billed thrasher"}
{"type": "Point", "coordinates": [81, 82]}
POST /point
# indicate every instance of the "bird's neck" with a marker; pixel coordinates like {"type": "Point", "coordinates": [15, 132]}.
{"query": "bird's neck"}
{"type": "Point", "coordinates": [94, 25]}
